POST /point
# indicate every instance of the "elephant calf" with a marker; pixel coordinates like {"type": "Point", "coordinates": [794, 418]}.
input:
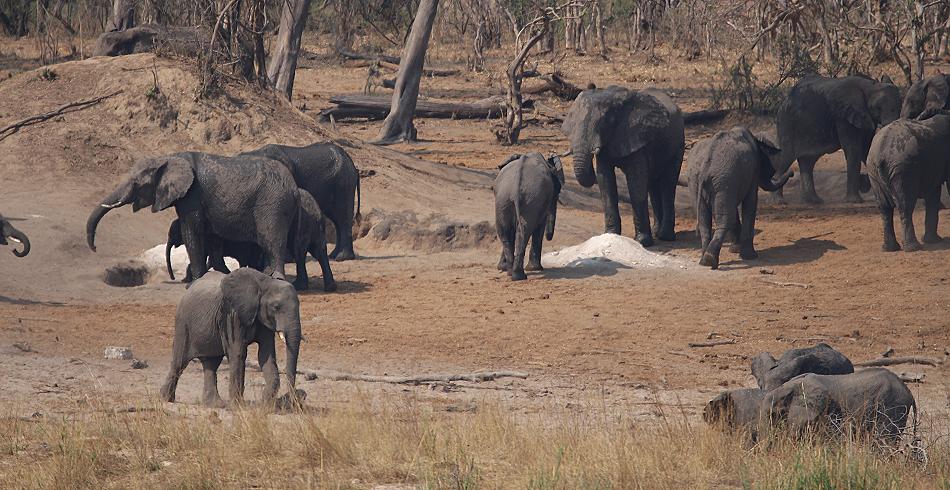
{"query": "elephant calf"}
{"type": "Point", "coordinates": [909, 160]}
{"type": "Point", "coordinates": [220, 315]}
{"type": "Point", "coordinates": [526, 193]}
{"type": "Point", "coordinates": [8, 231]}
{"type": "Point", "coordinates": [725, 171]}
{"type": "Point", "coordinates": [735, 409]}
{"type": "Point", "coordinates": [820, 359]}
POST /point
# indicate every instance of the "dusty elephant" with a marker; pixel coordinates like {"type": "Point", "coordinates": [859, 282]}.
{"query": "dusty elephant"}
{"type": "Point", "coordinates": [910, 160]}
{"type": "Point", "coordinates": [822, 115]}
{"type": "Point", "coordinates": [735, 409]}
{"type": "Point", "coordinates": [873, 401]}
{"type": "Point", "coordinates": [8, 231]}
{"type": "Point", "coordinates": [220, 315]}
{"type": "Point", "coordinates": [927, 97]}
{"type": "Point", "coordinates": [640, 132]}
{"type": "Point", "coordinates": [243, 198]}
{"type": "Point", "coordinates": [725, 171]}
{"type": "Point", "coordinates": [526, 192]}
{"type": "Point", "coordinates": [820, 359]}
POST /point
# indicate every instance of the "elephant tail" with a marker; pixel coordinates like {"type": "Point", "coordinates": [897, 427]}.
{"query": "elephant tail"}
{"type": "Point", "coordinates": [358, 197]}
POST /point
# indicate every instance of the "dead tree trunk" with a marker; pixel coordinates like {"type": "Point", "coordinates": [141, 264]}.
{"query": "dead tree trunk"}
{"type": "Point", "coordinates": [398, 124]}
{"type": "Point", "coordinates": [123, 15]}
{"type": "Point", "coordinates": [283, 62]}
{"type": "Point", "coordinates": [514, 115]}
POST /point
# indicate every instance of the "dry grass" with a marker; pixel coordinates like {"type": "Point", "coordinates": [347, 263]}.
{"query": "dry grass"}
{"type": "Point", "coordinates": [368, 443]}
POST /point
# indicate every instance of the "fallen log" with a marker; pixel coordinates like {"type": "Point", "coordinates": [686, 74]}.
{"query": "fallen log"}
{"type": "Point", "coordinates": [70, 107]}
{"type": "Point", "coordinates": [376, 107]}
{"type": "Point", "coordinates": [557, 85]}
{"type": "Point", "coordinates": [891, 361]}
{"type": "Point", "coordinates": [353, 55]}
{"type": "Point", "coordinates": [712, 343]}
{"type": "Point", "coordinates": [429, 72]}
{"type": "Point", "coordinates": [477, 377]}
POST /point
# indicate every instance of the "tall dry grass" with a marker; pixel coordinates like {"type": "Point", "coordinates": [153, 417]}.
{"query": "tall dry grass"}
{"type": "Point", "coordinates": [404, 442]}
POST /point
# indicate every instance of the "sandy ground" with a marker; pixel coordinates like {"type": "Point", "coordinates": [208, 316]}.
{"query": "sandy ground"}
{"type": "Point", "coordinates": [613, 336]}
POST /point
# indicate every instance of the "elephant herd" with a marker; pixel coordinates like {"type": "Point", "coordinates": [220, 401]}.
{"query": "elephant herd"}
{"type": "Point", "coordinates": [905, 144]}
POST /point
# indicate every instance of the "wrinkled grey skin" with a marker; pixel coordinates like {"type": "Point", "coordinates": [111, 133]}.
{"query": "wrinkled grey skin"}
{"type": "Point", "coordinates": [8, 231]}
{"type": "Point", "coordinates": [640, 132]}
{"type": "Point", "coordinates": [822, 115]}
{"type": "Point", "coordinates": [820, 359]}
{"type": "Point", "coordinates": [926, 98]}
{"type": "Point", "coordinates": [243, 198]}
{"type": "Point", "coordinates": [735, 409]}
{"type": "Point", "coordinates": [327, 172]}
{"type": "Point", "coordinates": [724, 172]}
{"type": "Point", "coordinates": [220, 315]}
{"type": "Point", "coordinates": [873, 401]}
{"type": "Point", "coordinates": [909, 160]}
{"type": "Point", "coordinates": [526, 191]}
{"type": "Point", "coordinates": [307, 236]}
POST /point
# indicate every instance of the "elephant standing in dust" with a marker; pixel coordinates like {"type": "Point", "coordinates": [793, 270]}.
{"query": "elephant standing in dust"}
{"type": "Point", "coordinates": [244, 198]}
{"type": "Point", "coordinates": [8, 231]}
{"type": "Point", "coordinates": [526, 192]}
{"type": "Point", "coordinates": [641, 132]}
{"type": "Point", "coordinates": [327, 172]}
{"type": "Point", "coordinates": [724, 172]}
{"type": "Point", "coordinates": [822, 115]}
{"type": "Point", "coordinates": [910, 160]}
{"type": "Point", "coordinates": [873, 401]}
{"type": "Point", "coordinates": [220, 315]}
{"type": "Point", "coordinates": [820, 359]}
{"type": "Point", "coordinates": [927, 97]}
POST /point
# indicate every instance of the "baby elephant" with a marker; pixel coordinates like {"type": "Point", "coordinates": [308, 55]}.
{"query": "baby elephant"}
{"type": "Point", "coordinates": [820, 359]}
{"type": "Point", "coordinates": [909, 160]}
{"type": "Point", "coordinates": [872, 401]}
{"type": "Point", "coordinates": [735, 409]}
{"type": "Point", "coordinates": [526, 192]}
{"type": "Point", "coordinates": [220, 315]}
{"type": "Point", "coordinates": [725, 171]}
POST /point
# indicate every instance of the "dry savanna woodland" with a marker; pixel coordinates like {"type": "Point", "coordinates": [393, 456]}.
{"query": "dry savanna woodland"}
{"type": "Point", "coordinates": [420, 364]}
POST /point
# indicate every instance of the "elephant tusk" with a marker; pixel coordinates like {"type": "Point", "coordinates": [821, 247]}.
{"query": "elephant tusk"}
{"type": "Point", "coordinates": [566, 153]}
{"type": "Point", "coordinates": [281, 335]}
{"type": "Point", "coordinates": [112, 206]}
{"type": "Point", "coordinates": [15, 240]}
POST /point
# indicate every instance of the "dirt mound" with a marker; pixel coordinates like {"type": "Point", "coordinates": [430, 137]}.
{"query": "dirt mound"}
{"type": "Point", "coordinates": [432, 233]}
{"type": "Point", "coordinates": [602, 250]}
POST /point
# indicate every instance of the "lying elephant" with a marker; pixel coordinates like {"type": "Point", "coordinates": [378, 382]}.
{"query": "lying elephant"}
{"type": "Point", "coordinates": [8, 231]}
{"type": "Point", "coordinates": [735, 409]}
{"type": "Point", "coordinates": [873, 401]}
{"type": "Point", "coordinates": [820, 359]}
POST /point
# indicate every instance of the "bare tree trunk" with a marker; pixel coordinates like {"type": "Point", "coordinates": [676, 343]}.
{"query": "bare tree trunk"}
{"type": "Point", "coordinates": [123, 15]}
{"type": "Point", "coordinates": [514, 116]}
{"type": "Point", "coordinates": [283, 61]}
{"type": "Point", "coordinates": [398, 124]}
{"type": "Point", "coordinates": [601, 30]}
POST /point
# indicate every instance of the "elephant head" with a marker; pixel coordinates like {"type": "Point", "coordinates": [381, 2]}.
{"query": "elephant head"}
{"type": "Point", "coordinates": [157, 182]}
{"type": "Point", "coordinates": [736, 409]}
{"type": "Point", "coordinates": [767, 152]}
{"type": "Point", "coordinates": [8, 231]}
{"type": "Point", "coordinates": [884, 102]}
{"type": "Point", "coordinates": [926, 97]}
{"type": "Point", "coordinates": [255, 299]}
{"type": "Point", "coordinates": [557, 176]}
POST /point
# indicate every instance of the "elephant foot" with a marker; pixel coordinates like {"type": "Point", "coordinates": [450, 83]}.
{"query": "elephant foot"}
{"type": "Point", "coordinates": [329, 287]}
{"type": "Point", "coordinates": [503, 265]}
{"type": "Point", "coordinates": [709, 260]}
{"type": "Point", "coordinates": [611, 231]}
{"type": "Point", "coordinates": [301, 285]}
{"type": "Point", "coordinates": [167, 394]}
{"type": "Point", "coordinates": [215, 402]}
{"type": "Point", "coordinates": [812, 198]}
{"type": "Point", "coordinates": [665, 235]}
{"type": "Point", "coordinates": [518, 276]}
{"type": "Point", "coordinates": [932, 238]}
{"type": "Point", "coordinates": [533, 267]}
{"type": "Point", "coordinates": [854, 198]}
{"type": "Point", "coordinates": [645, 239]}
{"type": "Point", "coordinates": [748, 254]}
{"type": "Point", "coordinates": [912, 246]}
{"type": "Point", "coordinates": [344, 255]}
{"type": "Point", "coordinates": [890, 247]}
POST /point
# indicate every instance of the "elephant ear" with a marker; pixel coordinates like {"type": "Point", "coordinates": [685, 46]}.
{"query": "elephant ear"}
{"type": "Point", "coordinates": [508, 160]}
{"type": "Point", "coordinates": [175, 178]}
{"type": "Point", "coordinates": [640, 119]}
{"type": "Point", "coordinates": [761, 365]}
{"type": "Point", "coordinates": [241, 291]}
{"type": "Point", "coordinates": [848, 102]}
{"type": "Point", "coordinates": [557, 172]}
{"type": "Point", "coordinates": [937, 96]}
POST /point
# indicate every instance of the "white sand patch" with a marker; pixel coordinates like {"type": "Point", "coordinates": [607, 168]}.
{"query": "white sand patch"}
{"type": "Point", "coordinates": [154, 259]}
{"type": "Point", "coordinates": [602, 250]}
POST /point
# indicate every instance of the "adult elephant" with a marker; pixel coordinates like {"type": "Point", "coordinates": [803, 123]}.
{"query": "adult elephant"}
{"type": "Point", "coordinates": [8, 231]}
{"type": "Point", "coordinates": [220, 315]}
{"type": "Point", "coordinates": [327, 172]}
{"type": "Point", "coordinates": [926, 98]}
{"type": "Point", "coordinates": [640, 132]}
{"type": "Point", "coordinates": [822, 115]}
{"type": "Point", "coordinates": [244, 198]}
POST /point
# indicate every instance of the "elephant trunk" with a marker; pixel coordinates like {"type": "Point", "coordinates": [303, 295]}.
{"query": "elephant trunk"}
{"type": "Point", "coordinates": [117, 198]}
{"type": "Point", "coordinates": [584, 167]}
{"type": "Point", "coordinates": [768, 185]}
{"type": "Point", "coordinates": [552, 220]}
{"type": "Point", "coordinates": [292, 341]}
{"type": "Point", "coordinates": [20, 237]}
{"type": "Point", "coordinates": [168, 260]}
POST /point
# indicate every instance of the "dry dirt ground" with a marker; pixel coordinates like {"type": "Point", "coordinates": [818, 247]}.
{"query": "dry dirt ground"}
{"type": "Point", "coordinates": [425, 297]}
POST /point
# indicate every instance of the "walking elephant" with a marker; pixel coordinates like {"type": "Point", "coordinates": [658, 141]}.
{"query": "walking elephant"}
{"type": "Point", "coordinates": [220, 315]}
{"type": "Point", "coordinates": [8, 231]}
{"type": "Point", "coordinates": [526, 192]}
{"type": "Point", "coordinates": [927, 97]}
{"type": "Point", "coordinates": [909, 160]}
{"type": "Point", "coordinates": [327, 172]}
{"type": "Point", "coordinates": [640, 132]}
{"type": "Point", "coordinates": [872, 401]}
{"type": "Point", "coordinates": [819, 359]}
{"type": "Point", "coordinates": [822, 115]}
{"type": "Point", "coordinates": [244, 198]}
{"type": "Point", "coordinates": [726, 171]}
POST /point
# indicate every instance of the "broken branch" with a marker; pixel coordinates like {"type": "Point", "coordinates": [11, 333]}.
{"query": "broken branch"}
{"type": "Point", "coordinates": [75, 106]}
{"type": "Point", "coordinates": [891, 361]}
{"type": "Point", "coordinates": [712, 343]}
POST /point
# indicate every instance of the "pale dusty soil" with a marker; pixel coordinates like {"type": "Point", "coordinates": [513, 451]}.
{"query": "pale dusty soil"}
{"type": "Point", "coordinates": [616, 337]}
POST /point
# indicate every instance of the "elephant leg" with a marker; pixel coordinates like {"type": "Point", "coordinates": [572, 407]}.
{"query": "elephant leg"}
{"type": "Point", "coordinates": [668, 222]}
{"type": "Point", "coordinates": [607, 181]}
{"type": "Point", "coordinates": [344, 240]}
{"type": "Point", "coordinates": [887, 218]}
{"type": "Point", "coordinates": [506, 234]}
{"type": "Point", "coordinates": [637, 187]}
{"type": "Point", "coordinates": [534, 259]}
{"type": "Point", "coordinates": [855, 144]}
{"type": "Point", "coordinates": [302, 281]}
{"type": "Point", "coordinates": [656, 203]}
{"type": "Point", "coordinates": [703, 223]}
{"type": "Point", "coordinates": [210, 397]}
{"type": "Point", "coordinates": [320, 252]}
{"type": "Point", "coordinates": [274, 258]}
{"type": "Point", "coordinates": [195, 245]}
{"type": "Point", "coordinates": [750, 206]}
{"type": "Point", "coordinates": [724, 215]}
{"type": "Point", "coordinates": [178, 365]}
{"type": "Point", "coordinates": [905, 207]}
{"type": "Point", "coordinates": [237, 357]}
{"type": "Point", "coordinates": [521, 243]}
{"type": "Point", "coordinates": [932, 203]}
{"type": "Point", "coordinates": [807, 167]}
{"type": "Point", "coordinates": [734, 235]}
{"type": "Point", "coordinates": [267, 359]}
